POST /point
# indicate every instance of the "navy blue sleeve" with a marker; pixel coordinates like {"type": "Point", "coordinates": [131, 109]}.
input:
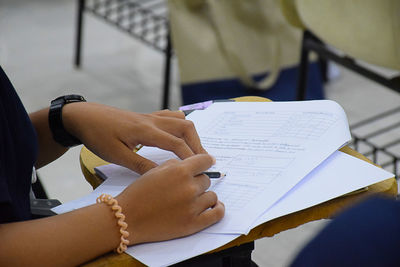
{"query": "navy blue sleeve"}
{"type": "Point", "coordinates": [18, 152]}
{"type": "Point", "coordinates": [365, 235]}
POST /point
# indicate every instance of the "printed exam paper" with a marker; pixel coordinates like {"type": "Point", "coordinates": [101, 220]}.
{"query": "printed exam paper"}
{"type": "Point", "coordinates": [265, 149]}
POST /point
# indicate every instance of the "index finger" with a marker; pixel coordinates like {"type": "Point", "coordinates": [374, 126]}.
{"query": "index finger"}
{"type": "Point", "coordinates": [164, 140]}
{"type": "Point", "coordinates": [184, 129]}
{"type": "Point", "coordinates": [189, 132]}
{"type": "Point", "coordinates": [198, 163]}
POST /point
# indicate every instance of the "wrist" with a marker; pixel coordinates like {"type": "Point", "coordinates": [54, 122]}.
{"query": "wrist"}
{"type": "Point", "coordinates": [120, 217]}
{"type": "Point", "coordinates": [127, 205]}
{"type": "Point", "coordinates": [73, 115]}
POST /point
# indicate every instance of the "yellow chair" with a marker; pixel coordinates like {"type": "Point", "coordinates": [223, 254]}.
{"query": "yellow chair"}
{"type": "Point", "coordinates": [345, 32]}
{"type": "Point", "coordinates": [366, 30]}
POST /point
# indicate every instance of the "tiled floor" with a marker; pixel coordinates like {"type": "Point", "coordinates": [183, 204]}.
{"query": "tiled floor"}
{"type": "Point", "coordinates": [36, 50]}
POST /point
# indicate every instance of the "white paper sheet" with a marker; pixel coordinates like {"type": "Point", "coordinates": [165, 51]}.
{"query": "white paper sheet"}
{"type": "Point", "coordinates": [338, 175]}
{"type": "Point", "coordinates": [265, 148]}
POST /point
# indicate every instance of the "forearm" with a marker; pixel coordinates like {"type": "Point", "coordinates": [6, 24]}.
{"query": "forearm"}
{"type": "Point", "coordinates": [49, 150]}
{"type": "Point", "coordinates": [63, 240]}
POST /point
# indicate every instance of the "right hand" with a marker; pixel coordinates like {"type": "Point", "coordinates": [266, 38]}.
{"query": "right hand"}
{"type": "Point", "coordinates": [170, 201]}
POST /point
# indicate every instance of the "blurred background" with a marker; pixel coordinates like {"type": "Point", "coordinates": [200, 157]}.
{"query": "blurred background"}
{"type": "Point", "coordinates": [37, 52]}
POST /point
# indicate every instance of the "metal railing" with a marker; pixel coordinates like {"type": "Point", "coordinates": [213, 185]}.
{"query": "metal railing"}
{"type": "Point", "coordinates": [146, 20]}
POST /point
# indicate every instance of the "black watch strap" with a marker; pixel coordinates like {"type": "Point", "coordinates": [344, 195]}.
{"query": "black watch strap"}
{"type": "Point", "coordinates": [60, 135]}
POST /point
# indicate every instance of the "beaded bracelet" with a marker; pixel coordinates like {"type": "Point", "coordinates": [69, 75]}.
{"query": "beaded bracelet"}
{"type": "Point", "coordinates": [109, 200]}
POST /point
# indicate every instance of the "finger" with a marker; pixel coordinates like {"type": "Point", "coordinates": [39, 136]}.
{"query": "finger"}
{"type": "Point", "coordinates": [211, 216]}
{"type": "Point", "coordinates": [206, 200]}
{"type": "Point", "coordinates": [169, 113]}
{"type": "Point", "coordinates": [126, 157]}
{"type": "Point", "coordinates": [169, 142]}
{"type": "Point", "coordinates": [192, 138]}
{"type": "Point", "coordinates": [203, 181]}
{"type": "Point", "coordinates": [184, 129]}
{"type": "Point", "coordinates": [198, 163]}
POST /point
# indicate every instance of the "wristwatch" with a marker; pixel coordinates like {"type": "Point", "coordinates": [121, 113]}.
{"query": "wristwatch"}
{"type": "Point", "coordinates": [60, 135]}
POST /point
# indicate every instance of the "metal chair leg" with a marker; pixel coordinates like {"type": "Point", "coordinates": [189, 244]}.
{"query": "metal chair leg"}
{"type": "Point", "coordinates": [323, 67]}
{"type": "Point", "coordinates": [78, 37]}
{"type": "Point", "coordinates": [303, 70]}
{"type": "Point", "coordinates": [167, 73]}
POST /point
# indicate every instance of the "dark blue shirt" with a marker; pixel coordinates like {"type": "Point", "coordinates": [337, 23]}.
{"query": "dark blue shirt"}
{"type": "Point", "coordinates": [18, 152]}
{"type": "Point", "coordinates": [366, 235]}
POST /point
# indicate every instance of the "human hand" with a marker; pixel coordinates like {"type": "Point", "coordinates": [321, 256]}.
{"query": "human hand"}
{"type": "Point", "coordinates": [113, 134]}
{"type": "Point", "coordinates": [170, 201]}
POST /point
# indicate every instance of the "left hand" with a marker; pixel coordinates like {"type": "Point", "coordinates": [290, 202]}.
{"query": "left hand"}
{"type": "Point", "coordinates": [113, 134]}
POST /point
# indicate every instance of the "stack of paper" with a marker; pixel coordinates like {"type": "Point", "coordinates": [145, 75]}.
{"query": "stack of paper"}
{"type": "Point", "coordinates": [279, 157]}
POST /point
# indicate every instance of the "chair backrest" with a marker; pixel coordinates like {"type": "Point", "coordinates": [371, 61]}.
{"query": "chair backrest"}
{"type": "Point", "coordinates": [368, 30]}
